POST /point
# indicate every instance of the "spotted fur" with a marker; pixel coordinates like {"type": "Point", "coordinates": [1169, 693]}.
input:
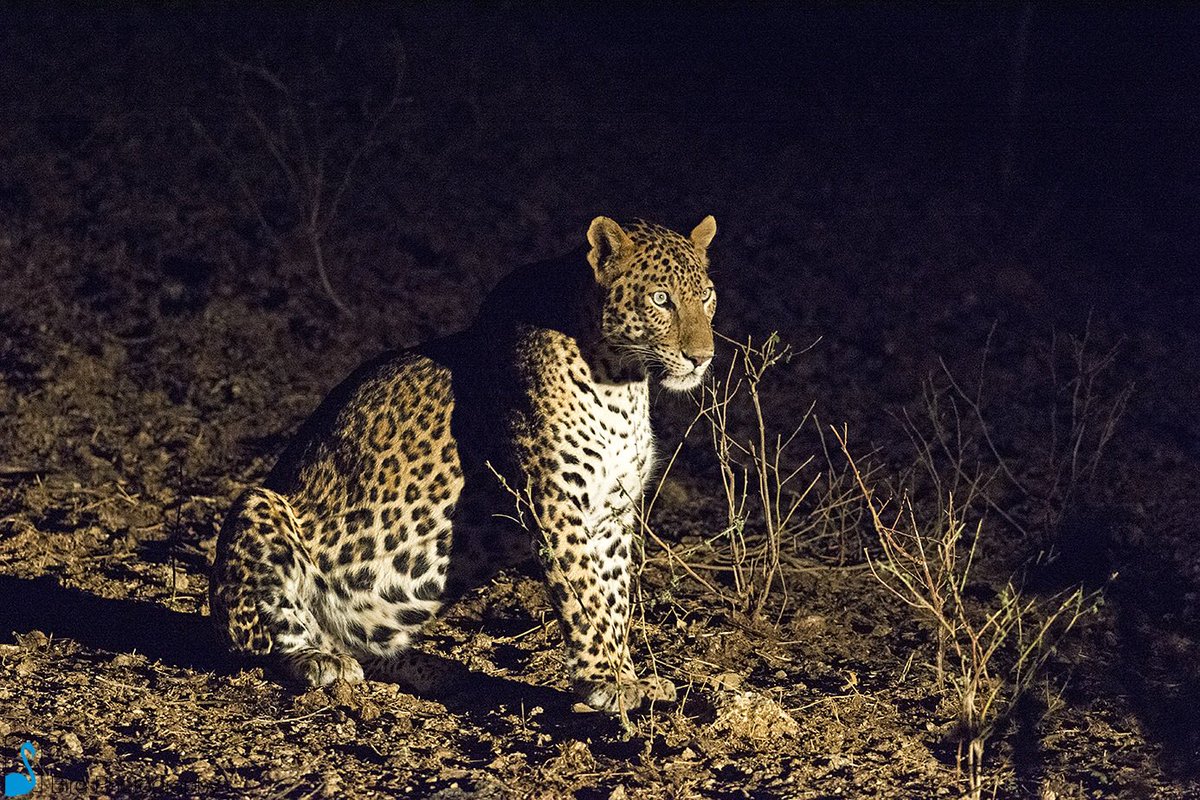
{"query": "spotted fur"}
{"type": "Point", "coordinates": [388, 503]}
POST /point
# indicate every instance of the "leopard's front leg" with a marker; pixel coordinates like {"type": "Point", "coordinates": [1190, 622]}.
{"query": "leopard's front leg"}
{"type": "Point", "coordinates": [588, 569]}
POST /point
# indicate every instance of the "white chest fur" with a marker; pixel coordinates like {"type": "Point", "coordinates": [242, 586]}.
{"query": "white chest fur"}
{"type": "Point", "coordinates": [621, 415]}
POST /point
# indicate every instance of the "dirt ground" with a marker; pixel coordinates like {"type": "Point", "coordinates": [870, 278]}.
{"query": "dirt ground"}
{"type": "Point", "coordinates": [158, 346]}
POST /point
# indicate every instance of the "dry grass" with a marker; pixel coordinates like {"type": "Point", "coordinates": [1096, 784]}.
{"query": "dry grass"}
{"type": "Point", "coordinates": [779, 508]}
{"type": "Point", "coordinates": [960, 452]}
{"type": "Point", "coordinates": [988, 654]}
{"type": "Point", "coordinates": [755, 466]}
{"type": "Point", "coordinates": [297, 126]}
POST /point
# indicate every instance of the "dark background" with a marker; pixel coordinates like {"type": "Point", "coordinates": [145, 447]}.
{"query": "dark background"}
{"type": "Point", "coordinates": [1083, 119]}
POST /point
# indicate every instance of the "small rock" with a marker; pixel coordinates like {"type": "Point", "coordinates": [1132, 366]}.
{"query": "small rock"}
{"type": "Point", "coordinates": [367, 711]}
{"type": "Point", "coordinates": [340, 692]}
{"type": "Point", "coordinates": [575, 756]}
{"type": "Point", "coordinates": [203, 769]}
{"type": "Point", "coordinates": [753, 716]}
{"type": "Point", "coordinates": [310, 701]}
{"type": "Point", "coordinates": [70, 742]}
{"type": "Point", "coordinates": [34, 640]}
{"type": "Point", "coordinates": [96, 775]}
{"type": "Point", "coordinates": [730, 681]}
{"type": "Point", "coordinates": [331, 783]}
{"type": "Point", "coordinates": [809, 622]}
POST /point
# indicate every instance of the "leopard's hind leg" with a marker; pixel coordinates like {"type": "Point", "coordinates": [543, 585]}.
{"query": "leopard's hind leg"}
{"type": "Point", "coordinates": [266, 593]}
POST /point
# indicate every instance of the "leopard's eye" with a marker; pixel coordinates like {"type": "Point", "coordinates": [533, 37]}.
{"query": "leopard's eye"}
{"type": "Point", "coordinates": [707, 295]}
{"type": "Point", "coordinates": [661, 298]}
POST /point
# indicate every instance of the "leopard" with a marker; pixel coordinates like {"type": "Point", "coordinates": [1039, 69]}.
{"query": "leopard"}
{"type": "Point", "coordinates": [524, 439]}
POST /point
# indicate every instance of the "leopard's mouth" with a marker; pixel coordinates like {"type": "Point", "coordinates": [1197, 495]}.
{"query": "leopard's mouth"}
{"type": "Point", "coordinates": [683, 381]}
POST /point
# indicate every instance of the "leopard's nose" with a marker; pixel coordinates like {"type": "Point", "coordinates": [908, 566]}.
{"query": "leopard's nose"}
{"type": "Point", "coordinates": [698, 358]}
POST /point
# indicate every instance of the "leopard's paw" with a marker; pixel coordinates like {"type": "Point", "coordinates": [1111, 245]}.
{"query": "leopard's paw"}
{"type": "Point", "coordinates": [320, 668]}
{"type": "Point", "coordinates": [418, 672]}
{"type": "Point", "coordinates": [612, 696]}
{"type": "Point", "coordinates": [658, 689]}
{"type": "Point", "coordinates": [626, 695]}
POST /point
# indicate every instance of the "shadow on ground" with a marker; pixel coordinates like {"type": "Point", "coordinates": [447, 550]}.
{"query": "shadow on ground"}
{"type": "Point", "coordinates": [117, 626]}
{"type": "Point", "coordinates": [186, 641]}
{"type": "Point", "coordinates": [1158, 667]}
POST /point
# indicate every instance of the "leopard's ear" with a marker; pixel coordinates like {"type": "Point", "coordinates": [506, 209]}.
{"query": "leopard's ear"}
{"type": "Point", "coordinates": [702, 234]}
{"type": "Point", "coordinates": [609, 243]}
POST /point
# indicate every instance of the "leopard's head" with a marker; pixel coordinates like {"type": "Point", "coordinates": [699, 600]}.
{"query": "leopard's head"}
{"type": "Point", "coordinates": [658, 299]}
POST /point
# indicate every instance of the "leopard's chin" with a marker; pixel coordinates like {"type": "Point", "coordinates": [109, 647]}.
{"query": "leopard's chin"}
{"type": "Point", "coordinates": [684, 382]}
